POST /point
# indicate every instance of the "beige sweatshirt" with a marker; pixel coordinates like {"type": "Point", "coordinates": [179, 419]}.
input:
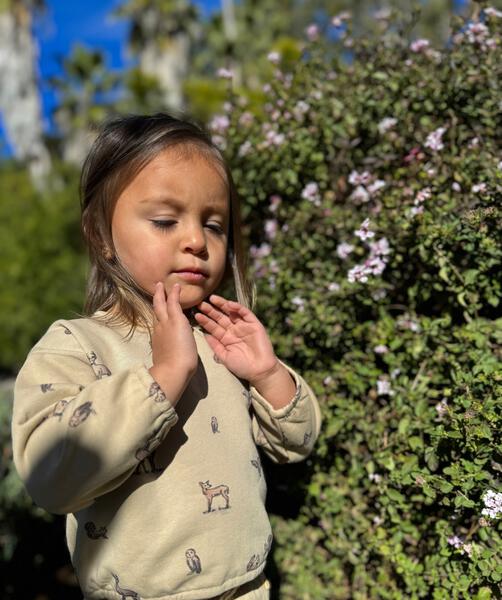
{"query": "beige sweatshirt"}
{"type": "Point", "coordinates": [161, 503]}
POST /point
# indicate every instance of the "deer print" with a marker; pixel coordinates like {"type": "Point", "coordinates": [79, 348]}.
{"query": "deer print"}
{"type": "Point", "coordinates": [46, 387]}
{"type": "Point", "coordinates": [214, 425]}
{"type": "Point", "coordinates": [193, 561]}
{"type": "Point", "coordinates": [156, 393]}
{"type": "Point", "coordinates": [94, 532]}
{"type": "Point", "coordinates": [124, 592]}
{"type": "Point", "coordinates": [80, 414]}
{"type": "Point", "coordinates": [100, 369]}
{"type": "Point", "coordinates": [211, 492]}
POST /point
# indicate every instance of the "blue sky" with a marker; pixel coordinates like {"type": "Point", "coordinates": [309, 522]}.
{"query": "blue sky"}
{"type": "Point", "coordinates": [89, 22]}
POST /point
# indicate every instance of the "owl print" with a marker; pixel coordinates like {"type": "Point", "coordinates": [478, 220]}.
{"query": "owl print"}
{"type": "Point", "coordinates": [214, 425]}
{"type": "Point", "coordinates": [193, 561]}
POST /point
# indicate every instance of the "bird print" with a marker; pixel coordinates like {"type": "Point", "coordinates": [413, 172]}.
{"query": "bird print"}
{"type": "Point", "coordinates": [193, 561]}
{"type": "Point", "coordinates": [214, 425]}
{"type": "Point", "coordinates": [124, 592]}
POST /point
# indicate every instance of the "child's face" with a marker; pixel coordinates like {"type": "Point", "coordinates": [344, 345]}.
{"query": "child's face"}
{"type": "Point", "coordinates": [171, 223]}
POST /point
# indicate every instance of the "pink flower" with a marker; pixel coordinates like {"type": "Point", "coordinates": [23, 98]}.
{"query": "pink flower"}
{"type": "Point", "coordinates": [419, 45]}
{"type": "Point", "coordinates": [311, 193]}
{"type": "Point", "coordinates": [434, 141]}
{"type": "Point", "coordinates": [380, 349]}
{"type": "Point", "coordinates": [225, 73]}
{"type": "Point", "coordinates": [274, 57]}
{"type": "Point", "coordinates": [312, 32]}
{"type": "Point", "coordinates": [360, 194]}
{"type": "Point", "coordinates": [219, 124]}
{"type": "Point", "coordinates": [344, 249]}
{"type": "Point", "coordinates": [380, 248]}
{"type": "Point", "coordinates": [364, 232]}
{"type": "Point", "coordinates": [271, 227]}
{"type": "Point", "coordinates": [244, 148]}
{"type": "Point", "coordinates": [356, 178]}
{"type": "Point", "coordinates": [275, 200]}
{"type": "Point", "coordinates": [493, 12]}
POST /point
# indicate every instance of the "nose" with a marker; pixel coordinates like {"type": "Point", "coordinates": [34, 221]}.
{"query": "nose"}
{"type": "Point", "coordinates": [194, 239]}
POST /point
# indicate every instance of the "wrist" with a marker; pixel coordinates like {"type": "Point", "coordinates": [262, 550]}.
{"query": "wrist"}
{"type": "Point", "coordinates": [277, 386]}
{"type": "Point", "coordinates": [266, 376]}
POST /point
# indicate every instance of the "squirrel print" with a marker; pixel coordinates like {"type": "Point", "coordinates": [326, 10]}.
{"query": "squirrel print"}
{"type": "Point", "coordinates": [66, 330]}
{"type": "Point", "coordinates": [124, 592]}
{"type": "Point", "coordinates": [100, 369]}
{"type": "Point", "coordinates": [193, 561]}
{"type": "Point", "coordinates": [80, 414]}
{"type": "Point", "coordinates": [211, 492]}
{"type": "Point", "coordinates": [256, 560]}
{"type": "Point", "coordinates": [94, 532]}
{"type": "Point", "coordinates": [214, 425]}
{"type": "Point", "coordinates": [156, 393]}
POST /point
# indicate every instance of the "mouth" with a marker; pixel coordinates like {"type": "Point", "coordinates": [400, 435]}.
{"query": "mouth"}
{"type": "Point", "coordinates": [191, 274]}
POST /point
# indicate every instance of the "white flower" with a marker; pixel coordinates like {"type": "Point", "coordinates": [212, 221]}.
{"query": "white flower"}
{"type": "Point", "coordinates": [246, 118]}
{"type": "Point", "coordinates": [376, 477]}
{"type": "Point", "coordinates": [344, 249]}
{"type": "Point", "coordinates": [455, 541]}
{"type": "Point", "coordinates": [219, 124]}
{"type": "Point", "coordinates": [219, 141]}
{"type": "Point", "coordinates": [422, 195]}
{"type": "Point", "coordinates": [477, 32]}
{"type": "Point", "coordinates": [311, 193]}
{"type": "Point", "coordinates": [499, 165]}
{"type": "Point", "coordinates": [300, 109]}
{"type": "Point", "coordinates": [299, 302]}
{"type": "Point", "coordinates": [434, 141]}
{"type": "Point", "coordinates": [274, 138]}
{"type": "Point", "coordinates": [244, 148]}
{"type": "Point", "coordinates": [274, 57]}
{"type": "Point", "coordinates": [455, 186]}
{"type": "Point", "coordinates": [493, 504]}
{"type": "Point", "coordinates": [271, 226]}
{"type": "Point", "coordinates": [380, 349]}
{"type": "Point", "coordinates": [493, 12]}
{"type": "Point", "coordinates": [360, 194]}
{"type": "Point", "coordinates": [419, 45]}
{"type": "Point", "coordinates": [442, 408]}
{"type": "Point", "coordinates": [312, 32]}
{"type": "Point", "coordinates": [337, 20]}
{"type": "Point", "coordinates": [375, 265]}
{"type": "Point", "coordinates": [333, 287]}
{"type": "Point", "coordinates": [364, 233]}
{"type": "Point", "coordinates": [394, 373]}
{"type": "Point", "coordinates": [275, 200]}
{"type": "Point", "coordinates": [386, 124]}
{"type": "Point", "coordinates": [406, 323]}
{"type": "Point", "coordinates": [479, 188]}
{"type": "Point", "coordinates": [377, 520]}
{"type": "Point", "coordinates": [376, 185]}
{"type": "Point", "coordinates": [225, 73]}
{"type": "Point", "coordinates": [380, 248]}
{"type": "Point", "coordinates": [383, 388]}
{"type": "Point", "coordinates": [358, 273]}
{"type": "Point", "coordinates": [356, 178]}
{"type": "Point", "coordinates": [416, 210]}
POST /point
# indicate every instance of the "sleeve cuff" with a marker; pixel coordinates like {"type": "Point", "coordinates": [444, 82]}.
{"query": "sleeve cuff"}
{"type": "Point", "coordinates": [284, 411]}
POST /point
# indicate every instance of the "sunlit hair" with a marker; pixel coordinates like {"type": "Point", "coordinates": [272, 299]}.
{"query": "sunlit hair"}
{"type": "Point", "coordinates": [123, 147]}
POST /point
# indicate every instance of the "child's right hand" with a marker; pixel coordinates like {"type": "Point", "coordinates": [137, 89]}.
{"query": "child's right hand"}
{"type": "Point", "coordinates": [174, 352]}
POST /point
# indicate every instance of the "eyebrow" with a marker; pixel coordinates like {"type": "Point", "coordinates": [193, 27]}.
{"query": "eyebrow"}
{"type": "Point", "coordinates": [171, 201]}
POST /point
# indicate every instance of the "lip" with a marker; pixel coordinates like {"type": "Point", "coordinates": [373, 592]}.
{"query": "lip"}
{"type": "Point", "coordinates": [191, 274]}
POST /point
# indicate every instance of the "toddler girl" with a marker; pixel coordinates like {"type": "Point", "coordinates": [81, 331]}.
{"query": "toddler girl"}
{"type": "Point", "coordinates": [141, 420]}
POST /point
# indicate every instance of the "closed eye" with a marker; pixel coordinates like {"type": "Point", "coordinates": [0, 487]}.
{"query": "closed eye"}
{"type": "Point", "coordinates": [163, 224]}
{"type": "Point", "coordinates": [167, 224]}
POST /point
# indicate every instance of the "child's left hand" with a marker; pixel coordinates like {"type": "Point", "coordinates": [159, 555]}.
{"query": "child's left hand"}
{"type": "Point", "coordinates": [238, 339]}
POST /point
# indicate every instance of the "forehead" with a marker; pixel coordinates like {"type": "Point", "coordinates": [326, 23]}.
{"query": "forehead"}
{"type": "Point", "coordinates": [182, 176]}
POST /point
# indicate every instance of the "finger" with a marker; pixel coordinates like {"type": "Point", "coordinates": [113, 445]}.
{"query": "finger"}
{"type": "Point", "coordinates": [217, 347]}
{"type": "Point", "coordinates": [215, 314]}
{"type": "Point", "coordinates": [212, 327]}
{"type": "Point", "coordinates": [232, 308]}
{"type": "Point", "coordinates": [173, 301]}
{"type": "Point", "coordinates": [159, 302]}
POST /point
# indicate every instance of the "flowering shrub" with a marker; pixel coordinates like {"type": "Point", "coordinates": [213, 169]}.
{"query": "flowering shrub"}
{"type": "Point", "coordinates": [372, 196]}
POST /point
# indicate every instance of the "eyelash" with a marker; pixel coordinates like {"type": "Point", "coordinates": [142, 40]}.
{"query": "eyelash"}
{"type": "Point", "coordinates": [163, 225]}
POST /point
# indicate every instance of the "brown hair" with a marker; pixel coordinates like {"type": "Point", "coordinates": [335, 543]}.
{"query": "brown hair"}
{"type": "Point", "coordinates": [122, 148]}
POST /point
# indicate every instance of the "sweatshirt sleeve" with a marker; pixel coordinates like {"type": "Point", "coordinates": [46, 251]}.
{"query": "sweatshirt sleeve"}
{"type": "Point", "coordinates": [287, 434]}
{"type": "Point", "coordinates": [79, 432]}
